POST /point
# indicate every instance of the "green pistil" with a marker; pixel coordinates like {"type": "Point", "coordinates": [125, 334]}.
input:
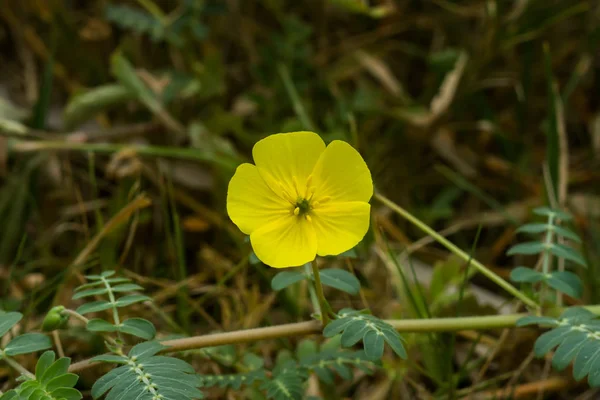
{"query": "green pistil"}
{"type": "Point", "coordinates": [303, 205]}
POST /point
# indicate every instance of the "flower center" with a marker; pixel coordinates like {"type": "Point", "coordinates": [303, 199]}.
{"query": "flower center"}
{"type": "Point", "coordinates": [303, 206]}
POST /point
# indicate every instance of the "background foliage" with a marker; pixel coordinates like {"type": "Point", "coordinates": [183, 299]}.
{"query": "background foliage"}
{"type": "Point", "coordinates": [122, 122]}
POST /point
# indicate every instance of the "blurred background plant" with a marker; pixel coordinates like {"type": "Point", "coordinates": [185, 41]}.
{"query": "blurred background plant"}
{"type": "Point", "coordinates": [122, 122]}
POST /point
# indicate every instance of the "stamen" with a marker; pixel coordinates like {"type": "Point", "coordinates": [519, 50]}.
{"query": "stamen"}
{"type": "Point", "coordinates": [310, 192]}
{"type": "Point", "coordinates": [308, 182]}
{"type": "Point", "coordinates": [297, 211]}
{"type": "Point", "coordinates": [285, 193]}
{"type": "Point", "coordinates": [308, 218]}
{"type": "Point", "coordinates": [325, 199]}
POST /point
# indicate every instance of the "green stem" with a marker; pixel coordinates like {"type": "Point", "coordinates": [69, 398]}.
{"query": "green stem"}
{"type": "Point", "coordinates": [75, 315]}
{"type": "Point", "coordinates": [113, 302]}
{"type": "Point", "coordinates": [460, 253]}
{"type": "Point", "coordinates": [15, 365]}
{"type": "Point", "coordinates": [322, 301]}
{"type": "Point", "coordinates": [312, 293]}
{"type": "Point", "coordinates": [547, 259]}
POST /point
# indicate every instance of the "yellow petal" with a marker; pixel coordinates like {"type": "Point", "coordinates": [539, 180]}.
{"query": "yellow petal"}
{"type": "Point", "coordinates": [286, 160]}
{"type": "Point", "coordinates": [251, 203]}
{"type": "Point", "coordinates": [288, 242]}
{"type": "Point", "coordinates": [341, 175]}
{"type": "Point", "coordinates": [340, 226]}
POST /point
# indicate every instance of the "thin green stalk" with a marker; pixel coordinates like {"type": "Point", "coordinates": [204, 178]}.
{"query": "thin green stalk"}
{"type": "Point", "coordinates": [314, 327]}
{"type": "Point", "coordinates": [457, 251]}
{"type": "Point", "coordinates": [16, 366]}
{"type": "Point", "coordinates": [320, 295]}
{"type": "Point", "coordinates": [313, 294]}
{"type": "Point", "coordinates": [113, 302]}
{"type": "Point", "coordinates": [293, 94]}
{"type": "Point", "coordinates": [547, 258]}
{"type": "Point", "coordinates": [221, 160]}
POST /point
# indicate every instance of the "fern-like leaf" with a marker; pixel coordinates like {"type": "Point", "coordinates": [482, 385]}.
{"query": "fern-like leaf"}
{"type": "Point", "coordinates": [326, 362]}
{"type": "Point", "coordinates": [288, 380]}
{"type": "Point", "coordinates": [356, 326]}
{"type": "Point", "coordinates": [576, 337]}
{"type": "Point", "coordinates": [144, 375]}
{"type": "Point", "coordinates": [286, 384]}
{"type": "Point", "coordinates": [106, 284]}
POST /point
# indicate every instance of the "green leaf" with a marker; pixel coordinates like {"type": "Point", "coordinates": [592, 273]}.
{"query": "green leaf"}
{"type": "Point", "coordinates": [567, 233]}
{"type": "Point", "coordinates": [539, 228]}
{"type": "Point", "coordinates": [138, 327]}
{"type": "Point", "coordinates": [8, 320]}
{"type": "Point", "coordinates": [566, 252]}
{"type": "Point", "coordinates": [86, 105]}
{"type": "Point", "coordinates": [27, 343]}
{"type": "Point", "coordinates": [90, 292]}
{"type": "Point", "coordinates": [94, 306]}
{"type": "Point", "coordinates": [355, 326]}
{"type": "Point", "coordinates": [527, 248]}
{"type": "Point", "coordinates": [67, 394]}
{"type": "Point", "coordinates": [101, 283]}
{"type": "Point", "coordinates": [110, 358]}
{"type": "Point", "coordinates": [524, 274]}
{"type": "Point", "coordinates": [547, 212]}
{"type": "Point", "coordinates": [577, 315]}
{"type": "Point", "coordinates": [548, 340]}
{"type": "Point", "coordinates": [100, 325]}
{"type": "Point", "coordinates": [171, 378]}
{"type": "Point", "coordinates": [394, 340]}
{"type": "Point", "coordinates": [58, 368]}
{"type": "Point", "coordinates": [534, 228]}
{"type": "Point", "coordinates": [122, 69]}
{"type": "Point", "coordinates": [373, 344]}
{"type": "Point", "coordinates": [43, 363]}
{"type": "Point", "coordinates": [287, 385]}
{"type": "Point", "coordinates": [104, 274]}
{"type": "Point", "coordinates": [62, 381]}
{"type": "Point", "coordinates": [51, 381]}
{"type": "Point", "coordinates": [131, 299]}
{"type": "Point", "coordinates": [286, 278]}
{"type": "Point", "coordinates": [568, 349]}
{"type": "Point", "coordinates": [147, 349]}
{"type": "Point", "coordinates": [566, 282]}
{"type": "Point", "coordinates": [10, 395]}
{"type": "Point", "coordinates": [127, 287]}
{"type": "Point", "coordinates": [341, 280]}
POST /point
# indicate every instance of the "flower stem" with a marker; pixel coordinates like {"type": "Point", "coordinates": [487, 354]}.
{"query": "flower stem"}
{"type": "Point", "coordinates": [312, 293]}
{"type": "Point", "coordinates": [322, 301]}
{"type": "Point", "coordinates": [460, 253]}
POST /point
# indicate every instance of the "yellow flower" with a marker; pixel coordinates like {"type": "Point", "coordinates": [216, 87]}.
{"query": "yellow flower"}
{"type": "Point", "coordinates": [301, 198]}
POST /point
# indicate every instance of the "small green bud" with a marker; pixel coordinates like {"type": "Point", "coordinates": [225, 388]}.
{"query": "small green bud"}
{"type": "Point", "coordinates": [55, 319]}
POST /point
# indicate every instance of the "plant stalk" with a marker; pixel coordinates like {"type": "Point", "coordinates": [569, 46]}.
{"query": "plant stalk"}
{"type": "Point", "coordinates": [457, 251]}
{"type": "Point", "coordinates": [18, 367]}
{"type": "Point", "coordinates": [315, 327]}
{"type": "Point", "coordinates": [319, 286]}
